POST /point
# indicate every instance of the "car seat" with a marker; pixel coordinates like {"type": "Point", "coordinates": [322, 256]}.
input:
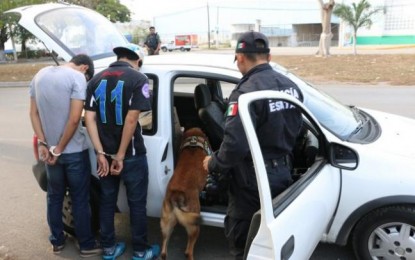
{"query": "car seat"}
{"type": "Point", "coordinates": [211, 113]}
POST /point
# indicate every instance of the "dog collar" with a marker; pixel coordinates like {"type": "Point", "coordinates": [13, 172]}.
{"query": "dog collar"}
{"type": "Point", "coordinates": [197, 141]}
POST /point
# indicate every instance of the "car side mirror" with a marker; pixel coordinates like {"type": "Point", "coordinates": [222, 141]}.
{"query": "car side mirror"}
{"type": "Point", "coordinates": [343, 157]}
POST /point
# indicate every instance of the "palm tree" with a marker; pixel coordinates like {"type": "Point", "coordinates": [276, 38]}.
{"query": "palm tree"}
{"type": "Point", "coordinates": [356, 16]}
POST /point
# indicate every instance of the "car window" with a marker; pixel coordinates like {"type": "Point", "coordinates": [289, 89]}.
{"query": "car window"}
{"type": "Point", "coordinates": [184, 99]}
{"type": "Point", "coordinates": [333, 115]}
{"type": "Point", "coordinates": [306, 160]}
{"type": "Point", "coordinates": [82, 31]}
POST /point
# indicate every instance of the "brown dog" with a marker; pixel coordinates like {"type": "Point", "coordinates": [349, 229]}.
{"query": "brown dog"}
{"type": "Point", "coordinates": [181, 203]}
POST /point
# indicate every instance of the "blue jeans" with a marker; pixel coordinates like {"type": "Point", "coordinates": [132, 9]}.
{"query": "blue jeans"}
{"type": "Point", "coordinates": [73, 171]}
{"type": "Point", "coordinates": [135, 177]}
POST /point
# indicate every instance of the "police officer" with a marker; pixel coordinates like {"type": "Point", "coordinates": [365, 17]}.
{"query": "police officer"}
{"type": "Point", "coordinates": [277, 126]}
{"type": "Point", "coordinates": [153, 42]}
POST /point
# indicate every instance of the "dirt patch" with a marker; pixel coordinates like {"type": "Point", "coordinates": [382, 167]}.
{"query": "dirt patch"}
{"type": "Point", "coordinates": [393, 69]}
{"type": "Point", "coordinates": [21, 71]}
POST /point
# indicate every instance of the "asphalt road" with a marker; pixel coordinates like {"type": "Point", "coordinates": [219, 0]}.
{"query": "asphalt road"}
{"type": "Point", "coordinates": [23, 229]}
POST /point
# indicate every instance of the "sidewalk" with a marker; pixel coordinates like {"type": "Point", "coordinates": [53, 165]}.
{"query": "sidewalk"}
{"type": "Point", "coordinates": [361, 50]}
{"type": "Point", "coordinates": [14, 84]}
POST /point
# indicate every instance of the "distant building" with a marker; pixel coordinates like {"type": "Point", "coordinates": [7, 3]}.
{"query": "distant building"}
{"type": "Point", "coordinates": [288, 23]}
{"type": "Point", "coordinates": [295, 35]}
{"type": "Point", "coordinates": [394, 25]}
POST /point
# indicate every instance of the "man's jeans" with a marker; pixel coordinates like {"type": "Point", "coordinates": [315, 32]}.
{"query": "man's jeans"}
{"type": "Point", "coordinates": [72, 171]}
{"type": "Point", "coordinates": [135, 177]}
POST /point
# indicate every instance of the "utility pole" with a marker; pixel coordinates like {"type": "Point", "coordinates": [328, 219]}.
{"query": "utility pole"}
{"type": "Point", "coordinates": [217, 29]}
{"type": "Point", "coordinates": [208, 19]}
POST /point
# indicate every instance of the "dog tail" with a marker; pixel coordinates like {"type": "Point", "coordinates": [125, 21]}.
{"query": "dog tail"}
{"type": "Point", "coordinates": [178, 200]}
{"type": "Point", "coordinates": [187, 218]}
{"type": "Point", "coordinates": [180, 207]}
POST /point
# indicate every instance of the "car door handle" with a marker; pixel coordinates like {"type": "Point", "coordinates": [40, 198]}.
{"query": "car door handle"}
{"type": "Point", "coordinates": [166, 170]}
{"type": "Point", "coordinates": [288, 248]}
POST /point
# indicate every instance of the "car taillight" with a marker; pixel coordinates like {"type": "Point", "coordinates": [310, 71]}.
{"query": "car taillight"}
{"type": "Point", "coordinates": [35, 150]}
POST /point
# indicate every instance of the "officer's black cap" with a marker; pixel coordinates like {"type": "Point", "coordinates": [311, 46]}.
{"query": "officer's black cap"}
{"type": "Point", "coordinates": [247, 43]}
{"type": "Point", "coordinates": [124, 52]}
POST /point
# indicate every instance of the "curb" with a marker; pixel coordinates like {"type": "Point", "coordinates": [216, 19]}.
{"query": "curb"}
{"type": "Point", "coordinates": [14, 84]}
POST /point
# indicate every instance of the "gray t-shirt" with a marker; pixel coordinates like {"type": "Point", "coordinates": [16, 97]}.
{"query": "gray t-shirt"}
{"type": "Point", "coordinates": [53, 88]}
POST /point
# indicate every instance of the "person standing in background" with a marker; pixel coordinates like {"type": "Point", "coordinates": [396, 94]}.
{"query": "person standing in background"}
{"type": "Point", "coordinates": [152, 42]}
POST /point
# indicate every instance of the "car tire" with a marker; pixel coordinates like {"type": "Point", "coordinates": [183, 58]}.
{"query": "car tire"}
{"type": "Point", "coordinates": [386, 233]}
{"type": "Point", "coordinates": [164, 49]}
{"type": "Point", "coordinates": [67, 218]}
{"type": "Point", "coordinates": [182, 49]}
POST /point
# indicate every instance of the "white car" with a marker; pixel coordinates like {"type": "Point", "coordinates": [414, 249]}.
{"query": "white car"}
{"type": "Point", "coordinates": [354, 167]}
{"type": "Point", "coordinates": [171, 46]}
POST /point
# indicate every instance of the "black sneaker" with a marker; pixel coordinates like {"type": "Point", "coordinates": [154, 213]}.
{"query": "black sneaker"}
{"type": "Point", "coordinates": [94, 251]}
{"type": "Point", "coordinates": [58, 249]}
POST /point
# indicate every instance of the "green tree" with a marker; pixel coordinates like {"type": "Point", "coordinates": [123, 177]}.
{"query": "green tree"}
{"type": "Point", "coordinates": [8, 24]}
{"type": "Point", "coordinates": [357, 16]}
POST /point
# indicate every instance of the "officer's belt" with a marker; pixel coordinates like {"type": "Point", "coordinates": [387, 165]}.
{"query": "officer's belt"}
{"type": "Point", "coordinates": [273, 163]}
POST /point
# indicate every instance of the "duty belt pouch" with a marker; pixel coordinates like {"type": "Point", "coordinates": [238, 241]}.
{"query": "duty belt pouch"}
{"type": "Point", "coordinates": [244, 176]}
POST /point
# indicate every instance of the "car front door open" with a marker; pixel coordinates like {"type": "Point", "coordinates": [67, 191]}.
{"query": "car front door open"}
{"type": "Point", "coordinates": [291, 225]}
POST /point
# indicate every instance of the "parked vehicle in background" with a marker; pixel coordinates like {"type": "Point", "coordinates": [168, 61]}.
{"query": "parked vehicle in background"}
{"type": "Point", "coordinates": [353, 167]}
{"type": "Point", "coordinates": [181, 42]}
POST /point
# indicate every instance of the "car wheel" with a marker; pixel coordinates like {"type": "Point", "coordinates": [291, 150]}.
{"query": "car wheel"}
{"type": "Point", "coordinates": [182, 49]}
{"type": "Point", "coordinates": [67, 214]}
{"type": "Point", "coordinates": [386, 233]}
{"type": "Point", "coordinates": [164, 49]}
{"type": "Point", "coordinates": [67, 218]}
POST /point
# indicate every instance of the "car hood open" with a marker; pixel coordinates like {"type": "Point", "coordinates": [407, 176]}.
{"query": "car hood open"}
{"type": "Point", "coordinates": [69, 30]}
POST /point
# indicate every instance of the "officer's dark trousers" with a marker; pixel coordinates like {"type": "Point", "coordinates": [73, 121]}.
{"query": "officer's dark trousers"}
{"type": "Point", "coordinates": [244, 202]}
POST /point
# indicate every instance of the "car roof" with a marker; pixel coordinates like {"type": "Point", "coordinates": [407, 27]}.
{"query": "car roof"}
{"type": "Point", "coordinates": [193, 59]}
{"type": "Point", "coordinates": [213, 60]}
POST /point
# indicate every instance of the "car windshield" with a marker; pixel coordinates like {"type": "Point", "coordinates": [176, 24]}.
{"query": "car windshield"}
{"type": "Point", "coordinates": [339, 119]}
{"type": "Point", "coordinates": [81, 31]}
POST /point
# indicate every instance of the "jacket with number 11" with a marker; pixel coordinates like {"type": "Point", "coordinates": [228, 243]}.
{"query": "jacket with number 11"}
{"type": "Point", "coordinates": [111, 94]}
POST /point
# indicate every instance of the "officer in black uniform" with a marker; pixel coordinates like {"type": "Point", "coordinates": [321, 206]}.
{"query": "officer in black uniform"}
{"type": "Point", "coordinates": [277, 126]}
